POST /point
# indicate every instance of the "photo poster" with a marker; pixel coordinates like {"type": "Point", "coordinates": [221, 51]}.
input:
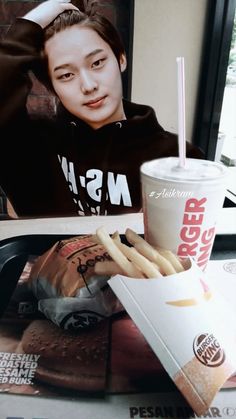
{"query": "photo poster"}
{"type": "Point", "coordinates": [40, 101]}
{"type": "Point", "coordinates": [40, 358]}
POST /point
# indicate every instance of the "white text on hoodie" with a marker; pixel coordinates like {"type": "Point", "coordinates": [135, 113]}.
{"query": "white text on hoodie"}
{"type": "Point", "coordinates": [117, 185]}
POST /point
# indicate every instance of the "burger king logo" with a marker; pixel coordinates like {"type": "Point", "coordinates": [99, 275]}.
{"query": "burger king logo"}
{"type": "Point", "coordinates": [230, 267]}
{"type": "Point", "coordinates": [80, 320]}
{"type": "Point", "coordinates": [207, 350]}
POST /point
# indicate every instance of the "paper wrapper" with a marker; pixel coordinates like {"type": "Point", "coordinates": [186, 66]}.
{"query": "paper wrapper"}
{"type": "Point", "coordinates": [64, 282]}
{"type": "Point", "coordinates": [188, 328]}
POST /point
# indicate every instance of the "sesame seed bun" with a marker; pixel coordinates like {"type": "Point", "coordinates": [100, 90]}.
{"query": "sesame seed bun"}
{"type": "Point", "coordinates": [68, 359]}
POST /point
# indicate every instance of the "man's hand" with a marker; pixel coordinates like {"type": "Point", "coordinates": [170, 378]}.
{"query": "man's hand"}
{"type": "Point", "coordinates": [47, 11]}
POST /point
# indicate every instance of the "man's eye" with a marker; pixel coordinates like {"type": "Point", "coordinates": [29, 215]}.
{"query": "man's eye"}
{"type": "Point", "coordinates": [98, 63]}
{"type": "Point", "coordinates": [66, 76]}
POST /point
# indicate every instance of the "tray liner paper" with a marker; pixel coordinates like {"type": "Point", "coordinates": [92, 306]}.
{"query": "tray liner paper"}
{"type": "Point", "coordinates": [186, 326]}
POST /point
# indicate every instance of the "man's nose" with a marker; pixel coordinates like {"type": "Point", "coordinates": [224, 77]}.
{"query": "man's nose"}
{"type": "Point", "coordinates": [87, 82]}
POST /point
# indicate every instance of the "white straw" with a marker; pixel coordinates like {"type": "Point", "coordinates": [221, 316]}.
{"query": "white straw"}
{"type": "Point", "coordinates": [181, 111]}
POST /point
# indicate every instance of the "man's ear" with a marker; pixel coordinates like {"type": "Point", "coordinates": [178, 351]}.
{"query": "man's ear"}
{"type": "Point", "coordinates": [123, 62]}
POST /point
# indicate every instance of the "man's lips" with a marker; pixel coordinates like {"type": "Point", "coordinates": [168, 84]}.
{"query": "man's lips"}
{"type": "Point", "coordinates": [95, 103]}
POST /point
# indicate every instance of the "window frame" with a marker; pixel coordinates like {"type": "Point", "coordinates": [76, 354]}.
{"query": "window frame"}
{"type": "Point", "coordinates": [216, 49]}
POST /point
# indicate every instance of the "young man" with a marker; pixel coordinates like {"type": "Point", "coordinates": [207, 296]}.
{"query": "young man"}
{"type": "Point", "coordinates": [86, 160]}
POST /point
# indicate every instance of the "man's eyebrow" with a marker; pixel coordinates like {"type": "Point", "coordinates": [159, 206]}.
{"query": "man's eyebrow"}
{"type": "Point", "coordinates": [94, 52]}
{"type": "Point", "coordinates": [62, 66]}
{"type": "Point", "coordinates": [89, 55]}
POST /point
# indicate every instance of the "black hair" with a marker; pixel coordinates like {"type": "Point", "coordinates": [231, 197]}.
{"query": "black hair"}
{"type": "Point", "coordinates": [86, 16]}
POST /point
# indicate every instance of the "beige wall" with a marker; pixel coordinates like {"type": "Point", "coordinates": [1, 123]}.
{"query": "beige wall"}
{"type": "Point", "coordinates": [163, 30]}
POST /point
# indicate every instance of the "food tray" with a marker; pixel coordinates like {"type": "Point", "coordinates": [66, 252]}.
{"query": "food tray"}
{"type": "Point", "coordinates": [224, 247]}
{"type": "Point", "coordinates": [15, 251]}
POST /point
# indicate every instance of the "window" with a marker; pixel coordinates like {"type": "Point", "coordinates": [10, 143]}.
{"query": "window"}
{"type": "Point", "coordinates": [215, 117]}
{"type": "Point", "coordinates": [226, 143]}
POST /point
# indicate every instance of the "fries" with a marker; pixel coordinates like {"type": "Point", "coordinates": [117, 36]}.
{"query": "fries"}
{"type": "Point", "coordinates": [140, 260]}
{"type": "Point", "coordinates": [107, 268]}
{"type": "Point", "coordinates": [142, 263]}
{"type": "Point", "coordinates": [126, 266]}
{"type": "Point", "coordinates": [172, 258]}
{"type": "Point", "coordinates": [149, 252]}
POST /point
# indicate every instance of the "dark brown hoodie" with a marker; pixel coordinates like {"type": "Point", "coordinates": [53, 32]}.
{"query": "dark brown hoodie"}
{"type": "Point", "coordinates": [61, 166]}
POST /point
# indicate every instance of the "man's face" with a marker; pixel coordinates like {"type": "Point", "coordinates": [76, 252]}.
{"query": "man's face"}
{"type": "Point", "coordinates": [85, 75]}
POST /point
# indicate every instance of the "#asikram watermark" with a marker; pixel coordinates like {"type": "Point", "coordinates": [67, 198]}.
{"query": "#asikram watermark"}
{"type": "Point", "coordinates": [170, 193]}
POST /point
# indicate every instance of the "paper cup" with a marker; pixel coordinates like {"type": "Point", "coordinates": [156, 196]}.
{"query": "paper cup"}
{"type": "Point", "coordinates": [181, 205]}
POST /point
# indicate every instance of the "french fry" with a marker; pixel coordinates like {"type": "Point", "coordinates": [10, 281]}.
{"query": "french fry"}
{"type": "Point", "coordinates": [109, 268]}
{"type": "Point", "coordinates": [149, 252]}
{"type": "Point", "coordinates": [126, 266]}
{"type": "Point", "coordinates": [139, 261]}
{"type": "Point", "coordinates": [173, 259]}
{"type": "Point", "coordinates": [142, 263]}
{"type": "Point", "coordinates": [152, 269]}
{"type": "Point", "coordinates": [116, 237]}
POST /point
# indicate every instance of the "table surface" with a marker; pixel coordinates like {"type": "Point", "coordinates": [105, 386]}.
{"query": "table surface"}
{"type": "Point", "coordinates": [83, 225]}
